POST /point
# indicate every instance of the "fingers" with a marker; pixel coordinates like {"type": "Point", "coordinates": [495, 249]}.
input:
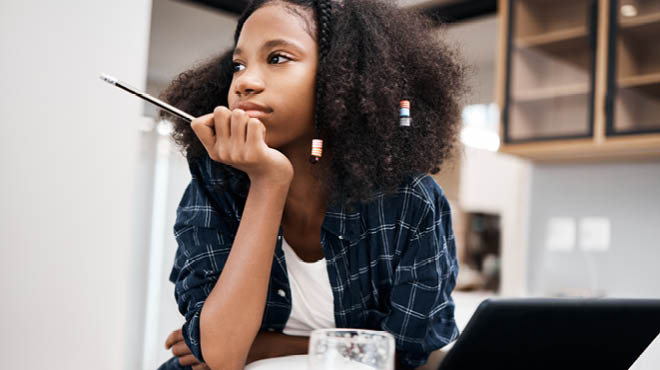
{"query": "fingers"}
{"type": "Point", "coordinates": [188, 360]}
{"type": "Point", "coordinates": [201, 366]}
{"type": "Point", "coordinates": [204, 128]}
{"type": "Point", "coordinates": [173, 338]}
{"type": "Point", "coordinates": [222, 118]}
{"type": "Point", "coordinates": [231, 137]}
{"type": "Point", "coordinates": [256, 132]}
{"type": "Point", "coordinates": [238, 122]}
{"type": "Point", "coordinates": [180, 349]}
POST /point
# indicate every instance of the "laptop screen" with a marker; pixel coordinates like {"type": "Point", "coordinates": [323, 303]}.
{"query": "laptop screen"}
{"type": "Point", "coordinates": [555, 333]}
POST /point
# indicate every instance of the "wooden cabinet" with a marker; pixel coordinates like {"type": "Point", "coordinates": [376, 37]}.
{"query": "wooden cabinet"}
{"type": "Point", "coordinates": [634, 72]}
{"type": "Point", "coordinates": [579, 78]}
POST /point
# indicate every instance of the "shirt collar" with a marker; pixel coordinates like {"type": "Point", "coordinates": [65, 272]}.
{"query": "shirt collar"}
{"type": "Point", "coordinates": [345, 224]}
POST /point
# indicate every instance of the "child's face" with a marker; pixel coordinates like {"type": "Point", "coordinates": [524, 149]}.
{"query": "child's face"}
{"type": "Point", "coordinates": [281, 77]}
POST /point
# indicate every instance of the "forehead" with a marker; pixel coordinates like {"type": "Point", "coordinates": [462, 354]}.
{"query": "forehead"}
{"type": "Point", "coordinates": [277, 20]}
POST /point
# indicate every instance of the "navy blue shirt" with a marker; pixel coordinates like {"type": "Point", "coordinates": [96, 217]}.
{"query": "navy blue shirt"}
{"type": "Point", "coordinates": [391, 261]}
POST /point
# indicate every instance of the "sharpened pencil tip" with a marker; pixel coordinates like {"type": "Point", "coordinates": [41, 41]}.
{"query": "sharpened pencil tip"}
{"type": "Point", "coordinates": [108, 79]}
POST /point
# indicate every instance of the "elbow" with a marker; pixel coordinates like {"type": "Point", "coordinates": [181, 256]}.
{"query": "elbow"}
{"type": "Point", "coordinates": [218, 358]}
{"type": "Point", "coordinates": [221, 349]}
{"type": "Point", "coordinates": [224, 365]}
{"type": "Point", "coordinates": [220, 355]}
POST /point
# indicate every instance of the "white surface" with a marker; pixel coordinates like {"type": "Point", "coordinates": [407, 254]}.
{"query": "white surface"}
{"type": "Point", "coordinates": [71, 287]}
{"type": "Point", "coordinates": [560, 234]}
{"type": "Point", "coordinates": [466, 304]}
{"type": "Point", "coordinates": [650, 358]}
{"type": "Point", "coordinates": [295, 362]}
{"type": "Point", "coordinates": [595, 234]}
{"type": "Point", "coordinates": [312, 303]}
{"type": "Point", "coordinates": [299, 362]}
{"type": "Point", "coordinates": [506, 194]}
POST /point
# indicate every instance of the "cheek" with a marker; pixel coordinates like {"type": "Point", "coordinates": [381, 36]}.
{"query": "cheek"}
{"type": "Point", "coordinates": [231, 97]}
{"type": "Point", "coordinates": [296, 94]}
{"type": "Point", "coordinates": [304, 93]}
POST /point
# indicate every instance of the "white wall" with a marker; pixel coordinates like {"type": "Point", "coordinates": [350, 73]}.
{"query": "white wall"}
{"type": "Point", "coordinates": [68, 262]}
{"type": "Point", "coordinates": [182, 34]}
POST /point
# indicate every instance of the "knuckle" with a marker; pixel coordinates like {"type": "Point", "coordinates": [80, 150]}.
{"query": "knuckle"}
{"type": "Point", "coordinates": [238, 115]}
{"type": "Point", "coordinates": [223, 153]}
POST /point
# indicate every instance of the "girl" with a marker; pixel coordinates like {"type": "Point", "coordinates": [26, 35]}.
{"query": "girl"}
{"type": "Point", "coordinates": [310, 204]}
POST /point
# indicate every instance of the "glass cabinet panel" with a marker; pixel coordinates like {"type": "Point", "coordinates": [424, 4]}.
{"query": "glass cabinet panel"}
{"type": "Point", "coordinates": [550, 69]}
{"type": "Point", "coordinates": [633, 100]}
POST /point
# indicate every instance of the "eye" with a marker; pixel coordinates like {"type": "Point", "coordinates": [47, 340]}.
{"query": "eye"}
{"type": "Point", "coordinates": [277, 55]}
{"type": "Point", "coordinates": [235, 66]}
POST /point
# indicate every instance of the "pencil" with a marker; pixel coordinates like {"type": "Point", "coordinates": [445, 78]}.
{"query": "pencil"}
{"type": "Point", "coordinates": [177, 112]}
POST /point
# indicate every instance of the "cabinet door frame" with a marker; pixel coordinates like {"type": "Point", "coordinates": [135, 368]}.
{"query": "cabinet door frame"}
{"type": "Point", "coordinates": [592, 29]}
{"type": "Point", "coordinates": [612, 68]}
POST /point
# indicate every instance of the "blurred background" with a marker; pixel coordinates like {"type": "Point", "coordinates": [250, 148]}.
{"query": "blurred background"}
{"type": "Point", "coordinates": [554, 187]}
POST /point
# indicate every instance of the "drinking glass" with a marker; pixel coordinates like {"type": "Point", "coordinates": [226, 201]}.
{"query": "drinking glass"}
{"type": "Point", "coordinates": [351, 349]}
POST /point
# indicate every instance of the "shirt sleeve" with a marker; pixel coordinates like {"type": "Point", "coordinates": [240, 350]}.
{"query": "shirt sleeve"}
{"type": "Point", "coordinates": [421, 316]}
{"type": "Point", "coordinates": [204, 241]}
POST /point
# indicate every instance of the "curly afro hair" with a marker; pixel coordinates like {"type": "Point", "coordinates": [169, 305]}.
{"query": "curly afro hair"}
{"type": "Point", "coordinates": [372, 55]}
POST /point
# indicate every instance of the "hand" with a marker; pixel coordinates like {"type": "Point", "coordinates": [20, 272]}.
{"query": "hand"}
{"type": "Point", "coordinates": [182, 352]}
{"type": "Point", "coordinates": [233, 138]}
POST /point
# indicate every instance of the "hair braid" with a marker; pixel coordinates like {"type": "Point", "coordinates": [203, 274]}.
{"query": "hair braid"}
{"type": "Point", "coordinates": [324, 36]}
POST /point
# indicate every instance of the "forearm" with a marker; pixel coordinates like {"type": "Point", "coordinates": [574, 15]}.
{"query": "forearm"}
{"type": "Point", "coordinates": [268, 345]}
{"type": "Point", "coordinates": [232, 313]}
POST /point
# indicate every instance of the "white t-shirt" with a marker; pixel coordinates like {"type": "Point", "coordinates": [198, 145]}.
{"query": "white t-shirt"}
{"type": "Point", "coordinates": [312, 302]}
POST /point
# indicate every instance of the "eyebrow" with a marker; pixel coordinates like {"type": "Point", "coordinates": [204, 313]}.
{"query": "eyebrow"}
{"type": "Point", "coordinates": [271, 44]}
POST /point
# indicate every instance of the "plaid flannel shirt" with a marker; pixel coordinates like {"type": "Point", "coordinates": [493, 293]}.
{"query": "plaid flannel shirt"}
{"type": "Point", "coordinates": [391, 262]}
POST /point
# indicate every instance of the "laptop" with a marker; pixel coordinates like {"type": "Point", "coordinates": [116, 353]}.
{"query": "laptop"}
{"type": "Point", "coordinates": [555, 333]}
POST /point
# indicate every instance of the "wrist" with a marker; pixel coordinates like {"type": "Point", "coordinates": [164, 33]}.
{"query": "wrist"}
{"type": "Point", "coordinates": [271, 183]}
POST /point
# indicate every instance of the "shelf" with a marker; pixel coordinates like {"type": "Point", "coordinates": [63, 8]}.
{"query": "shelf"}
{"type": "Point", "coordinates": [645, 27]}
{"type": "Point", "coordinates": [555, 37]}
{"type": "Point", "coordinates": [542, 119]}
{"type": "Point", "coordinates": [614, 148]}
{"type": "Point", "coordinates": [535, 71]}
{"type": "Point", "coordinates": [537, 20]}
{"type": "Point", "coordinates": [642, 20]}
{"type": "Point", "coordinates": [550, 93]}
{"type": "Point", "coordinates": [639, 80]}
{"type": "Point", "coordinates": [635, 55]}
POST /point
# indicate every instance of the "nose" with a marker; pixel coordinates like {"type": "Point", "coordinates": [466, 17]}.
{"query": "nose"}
{"type": "Point", "coordinates": [248, 83]}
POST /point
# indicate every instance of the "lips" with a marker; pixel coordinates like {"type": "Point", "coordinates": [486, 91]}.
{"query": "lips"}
{"type": "Point", "coordinates": [253, 109]}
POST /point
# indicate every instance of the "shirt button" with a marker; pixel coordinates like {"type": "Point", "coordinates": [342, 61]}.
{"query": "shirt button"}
{"type": "Point", "coordinates": [271, 329]}
{"type": "Point", "coordinates": [279, 237]}
{"type": "Point", "coordinates": [281, 293]}
{"type": "Point", "coordinates": [341, 237]}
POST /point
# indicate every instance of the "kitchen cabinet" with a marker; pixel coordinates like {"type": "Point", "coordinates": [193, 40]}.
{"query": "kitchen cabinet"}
{"type": "Point", "coordinates": [579, 79]}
